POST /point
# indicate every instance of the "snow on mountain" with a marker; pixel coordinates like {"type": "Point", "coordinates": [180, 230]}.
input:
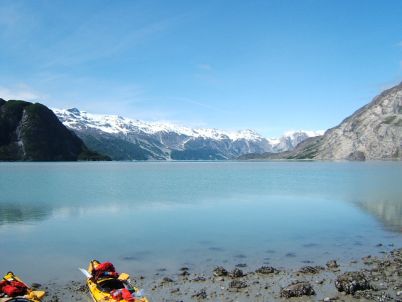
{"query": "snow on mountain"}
{"type": "Point", "coordinates": [124, 138]}
{"type": "Point", "coordinates": [75, 119]}
{"type": "Point", "coordinates": [292, 138]}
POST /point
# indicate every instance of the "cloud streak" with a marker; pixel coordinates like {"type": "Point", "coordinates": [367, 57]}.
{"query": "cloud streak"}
{"type": "Point", "coordinates": [19, 92]}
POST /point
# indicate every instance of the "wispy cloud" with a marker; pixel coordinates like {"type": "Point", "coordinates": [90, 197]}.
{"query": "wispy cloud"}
{"type": "Point", "coordinates": [93, 46]}
{"type": "Point", "coordinates": [20, 92]}
{"type": "Point", "coordinates": [204, 66]}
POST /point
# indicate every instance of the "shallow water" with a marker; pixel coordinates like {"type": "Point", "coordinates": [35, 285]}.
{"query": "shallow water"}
{"type": "Point", "coordinates": [154, 217]}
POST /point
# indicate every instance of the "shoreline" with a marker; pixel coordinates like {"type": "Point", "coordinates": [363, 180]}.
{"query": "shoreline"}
{"type": "Point", "coordinates": [372, 278]}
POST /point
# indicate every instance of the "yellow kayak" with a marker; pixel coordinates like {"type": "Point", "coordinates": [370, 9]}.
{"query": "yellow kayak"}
{"type": "Point", "coordinates": [30, 296]}
{"type": "Point", "coordinates": [102, 289]}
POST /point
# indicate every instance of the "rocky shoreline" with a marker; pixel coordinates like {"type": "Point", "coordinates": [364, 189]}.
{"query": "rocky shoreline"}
{"type": "Point", "coordinates": [371, 278]}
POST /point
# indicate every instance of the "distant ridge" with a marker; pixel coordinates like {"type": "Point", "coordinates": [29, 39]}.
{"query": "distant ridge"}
{"type": "Point", "coordinates": [374, 132]}
{"type": "Point", "coordinates": [31, 132]}
{"type": "Point", "coordinates": [128, 139]}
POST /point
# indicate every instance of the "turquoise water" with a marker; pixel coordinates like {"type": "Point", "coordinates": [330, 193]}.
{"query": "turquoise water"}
{"type": "Point", "coordinates": [149, 216]}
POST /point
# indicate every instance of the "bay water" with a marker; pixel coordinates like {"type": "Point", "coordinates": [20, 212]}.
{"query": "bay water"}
{"type": "Point", "coordinates": [154, 217]}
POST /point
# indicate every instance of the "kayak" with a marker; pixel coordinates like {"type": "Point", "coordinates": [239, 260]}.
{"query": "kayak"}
{"type": "Point", "coordinates": [30, 295]}
{"type": "Point", "coordinates": [103, 288]}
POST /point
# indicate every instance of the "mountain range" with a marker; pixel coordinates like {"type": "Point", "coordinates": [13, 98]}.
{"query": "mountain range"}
{"type": "Point", "coordinates": [31, 131]}
{"type": "Point", "coordinates": [374, 132]}
{"type": "Point", "coordinates": [128, 139]}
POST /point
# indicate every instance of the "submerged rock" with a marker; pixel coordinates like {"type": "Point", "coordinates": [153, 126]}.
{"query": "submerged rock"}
{"type": "Point", "coordinates": [351, 282]}
{"type": "Point", "coordinates": [297, 289]}
{"type": "Point", "coordinates": [290, 255]}
{"type": "Point", "coordinates": [265, 270]}
{"type": "Point", "coordinates": [36, 285]}
{"type": "Point", "coordinates": [167, 280]}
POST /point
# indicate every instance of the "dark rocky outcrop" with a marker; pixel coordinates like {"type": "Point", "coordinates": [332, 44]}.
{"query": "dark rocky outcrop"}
{"type": "Point", "coordinates": [32, 132]}
{"type": "Point", "coordinates": [351, 282]}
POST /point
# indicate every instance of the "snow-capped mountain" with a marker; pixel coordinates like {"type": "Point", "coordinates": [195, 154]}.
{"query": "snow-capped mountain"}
{"type": "Point", "coordinates": [292, 138]}
{"type": "Point", "coordinates": [128, 139]}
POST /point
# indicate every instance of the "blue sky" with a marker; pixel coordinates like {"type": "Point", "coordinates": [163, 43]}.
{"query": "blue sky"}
{"type": "Point", "coordinates": [267, 65]}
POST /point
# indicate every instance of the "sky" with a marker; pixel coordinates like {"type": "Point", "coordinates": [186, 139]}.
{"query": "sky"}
{"type": "Point", "coordinates": [270, 66]}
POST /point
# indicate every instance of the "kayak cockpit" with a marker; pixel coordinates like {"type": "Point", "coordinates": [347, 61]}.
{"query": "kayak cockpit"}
{"type": "Point", "coordinates": [108, 285]}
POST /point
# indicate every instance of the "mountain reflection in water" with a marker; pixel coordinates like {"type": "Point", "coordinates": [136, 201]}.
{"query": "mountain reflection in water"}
{"type": "Point", "coordinates": [388, 212]}
{"type": "Point", "coordinates": [23, 213]}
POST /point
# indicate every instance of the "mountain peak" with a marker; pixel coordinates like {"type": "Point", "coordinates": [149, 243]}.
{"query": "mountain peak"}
{"type": "Point", "coordinates": [74, 111]}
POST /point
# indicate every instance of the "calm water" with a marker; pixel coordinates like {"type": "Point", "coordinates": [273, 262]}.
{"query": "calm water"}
{"type": "Point", "coordinates": [55, 217]}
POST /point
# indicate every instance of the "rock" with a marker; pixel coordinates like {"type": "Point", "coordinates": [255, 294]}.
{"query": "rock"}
{"type": "Point", "coordinates": [368, 260]}
{"type": "Point", "coordinates": [175, 290]}
{"type": "Point", "coordinates": [332, 264]}
{"type": "Point", "coordinates": [236, 273]}
{"type": "Point", "coordinates": [356, 156]}
{"type": "Point", "coordinates": [202, 294]}
{"type": "Point", "coordinates": [184, 268]}
{"type": "Point", "coordinates": [184, 273]}
{"type": "Point", "coordinates": [220, 271]}
{"type": "Point", "coordinates": [310, 269]}
{"type": "Point", "coordinates": [237, 284]}
{"type": "Point", "coordinates": [199, 279]}
{"type": "Point", "coordinates": [167, 280]}
{"type": "Point", "coordinates": [297, 289]}
{"type": "Point", "coordinates": [241, 265]}
{"type": "Point", "coordinates": [36, 285]}
{"type": "Point", "coordinates": [265, 270]}
{"type": "Point", "coordinates": [350, 282]}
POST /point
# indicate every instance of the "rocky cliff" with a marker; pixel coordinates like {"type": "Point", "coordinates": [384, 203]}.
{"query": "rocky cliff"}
{"type": "Point", "coordinates": [374, 132]}
{"type": "Point", "coordinates": [31, 132]}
